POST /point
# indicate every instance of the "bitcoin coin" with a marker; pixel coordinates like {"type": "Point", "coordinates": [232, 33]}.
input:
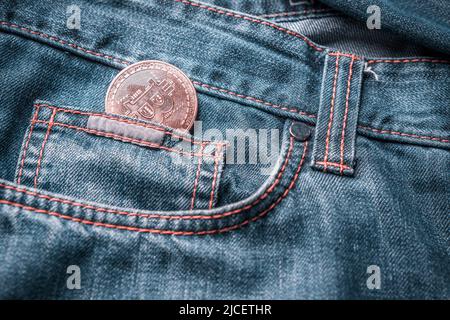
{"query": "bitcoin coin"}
{"type": "Point", "coordinates": [154, 91]}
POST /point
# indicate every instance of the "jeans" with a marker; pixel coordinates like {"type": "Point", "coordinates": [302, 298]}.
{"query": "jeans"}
{"type": "Point", "coordinates": [348, 179]}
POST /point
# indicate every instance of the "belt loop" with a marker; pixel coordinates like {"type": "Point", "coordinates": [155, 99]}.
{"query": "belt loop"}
{"type": "Point", "coordinates": [334, 140]}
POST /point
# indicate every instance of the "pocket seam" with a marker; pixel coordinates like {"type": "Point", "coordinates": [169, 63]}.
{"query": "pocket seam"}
{"type": "Point", "coordinates": [216, 172]}
{"type": "Point", "coordinates": [197, 177]}
{"type": "Point", "coordinates": [27, 142]}
{"type": "Point", "coordinates": [129, 140]}
{"type": "Point", "coordinates": [123, 120]}
{"type": "Point", "coordinates": [159, 231]}
{"type": "Point", "coordinates": [41, 152]}
{"type": "Point", "coordinates": [47, 117]}
{"type": "Point", "coordinates": [268, 191]}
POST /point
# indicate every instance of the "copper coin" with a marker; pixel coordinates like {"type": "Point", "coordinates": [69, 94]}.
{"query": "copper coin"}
{"type": "Point", "coordinates": [154, 91]}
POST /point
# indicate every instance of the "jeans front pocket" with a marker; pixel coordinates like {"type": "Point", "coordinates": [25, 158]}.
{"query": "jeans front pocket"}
{"type": "Point", "coordinates": [77, 212]}
{"type": "Point", "coordinates": [118, 161]}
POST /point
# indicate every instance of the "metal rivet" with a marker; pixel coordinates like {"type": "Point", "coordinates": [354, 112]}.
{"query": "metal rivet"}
{"type": "Point", "coordinates": [300, 131]}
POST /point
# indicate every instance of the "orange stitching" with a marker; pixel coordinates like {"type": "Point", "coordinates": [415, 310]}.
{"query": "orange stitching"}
{"type": "Point", "coordinates": [63, 42]}
{"type": "Point", "coordinates": [126, 139]}
{"type": "Point", "coordinates": [128, 63]}
{"type": "Point", "coordinates": [333, 164]}
{"type": "Point", "coordinates": [231, 14]}
{"type": "Point", "coordinates": [288, 156]}
{"type": "Point", "coordinates": [409, 60]}
{"type": "Point", "coordinates": [145, 125]}
{"type": "Point", "coordinates": [216, 169]}
{"type": "Point", "coordinates": [171, 232]}
{"type": "Point", "coordinates": [197, 176]}
{"type": "Point", "coordinates": [292, 110]}
{"type": "Point", "coordinates": [98, 54]}
{"type": "Point", "coordinates": [41, 153]}
{"type": "Point", "coordinates": [169, 217]}
{"type": "Point", "coordinates": [330, 121]}
{"type": "Point", "coordinates": [112, 58]}
{"type": "Point", "coordinates": [22, 162]}
{"type": "Point", "coordinates": [409, 135]}
{"type": "Point", "coordinates": [341, 54]}
{"type": "Point", "coordinates": [344, 125]}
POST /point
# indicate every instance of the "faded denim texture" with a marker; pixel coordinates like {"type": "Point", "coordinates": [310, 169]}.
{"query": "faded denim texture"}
{"type": "Point", "coordinates": [370, 184]}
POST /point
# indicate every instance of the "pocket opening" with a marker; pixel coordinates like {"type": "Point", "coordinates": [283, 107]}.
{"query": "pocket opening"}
{"type": "Point", "coordinates": [62, 153]}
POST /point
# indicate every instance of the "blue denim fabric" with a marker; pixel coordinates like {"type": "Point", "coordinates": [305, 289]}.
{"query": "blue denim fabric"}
{"type": "Point", "coordinates": [425, 22]}
{"type": "Point", "coordinates": [124, 212]}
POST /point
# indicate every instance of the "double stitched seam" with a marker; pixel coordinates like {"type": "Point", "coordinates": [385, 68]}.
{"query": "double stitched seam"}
{"type": "Point", "coordinates": [112, 58]}
{"type": "Point", "coordinates": [172, 232]}
{"type": "Point", "coordinates": [25, 149]}
{"type": "Point", "coordinates": [63, 42]}
{"type": "Point", "coordinates": [168, 217]}
{"type": "Point", "coordinates": [266, 23]}
{"type": "Point", "coordinates": [415, 60]}
{"type": "Point", "coordinates": [344, 122]}
{"type": "Point", "coordinates": [126, 139]}
{"type": "Point", "coordinates": [284, 108]}
{"type": "Point", "coordinates": [149, 126]}
{"type": "Point", "coordinates": [403, 134]}
{"type": "Point", "coordinates": [294, 13]}
{"type": "Point", "coordinates": [214, 181]}
{"type": "Point", "coordinates": [121, 61]}
{"type": "Point", "coordinates": [292, 110]}
{"type": "Point", "coordinates": [197, 176]}
{"type": "Point", "coordinates": [409, 60]}
{"type": "Point", "coordinates": [41, 153]}
{"type": "Point", "coordinates": [330, 121]}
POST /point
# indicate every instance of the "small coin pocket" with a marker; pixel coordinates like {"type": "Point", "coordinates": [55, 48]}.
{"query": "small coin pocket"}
{"type": "Point", "coordinates": [118, 161]}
